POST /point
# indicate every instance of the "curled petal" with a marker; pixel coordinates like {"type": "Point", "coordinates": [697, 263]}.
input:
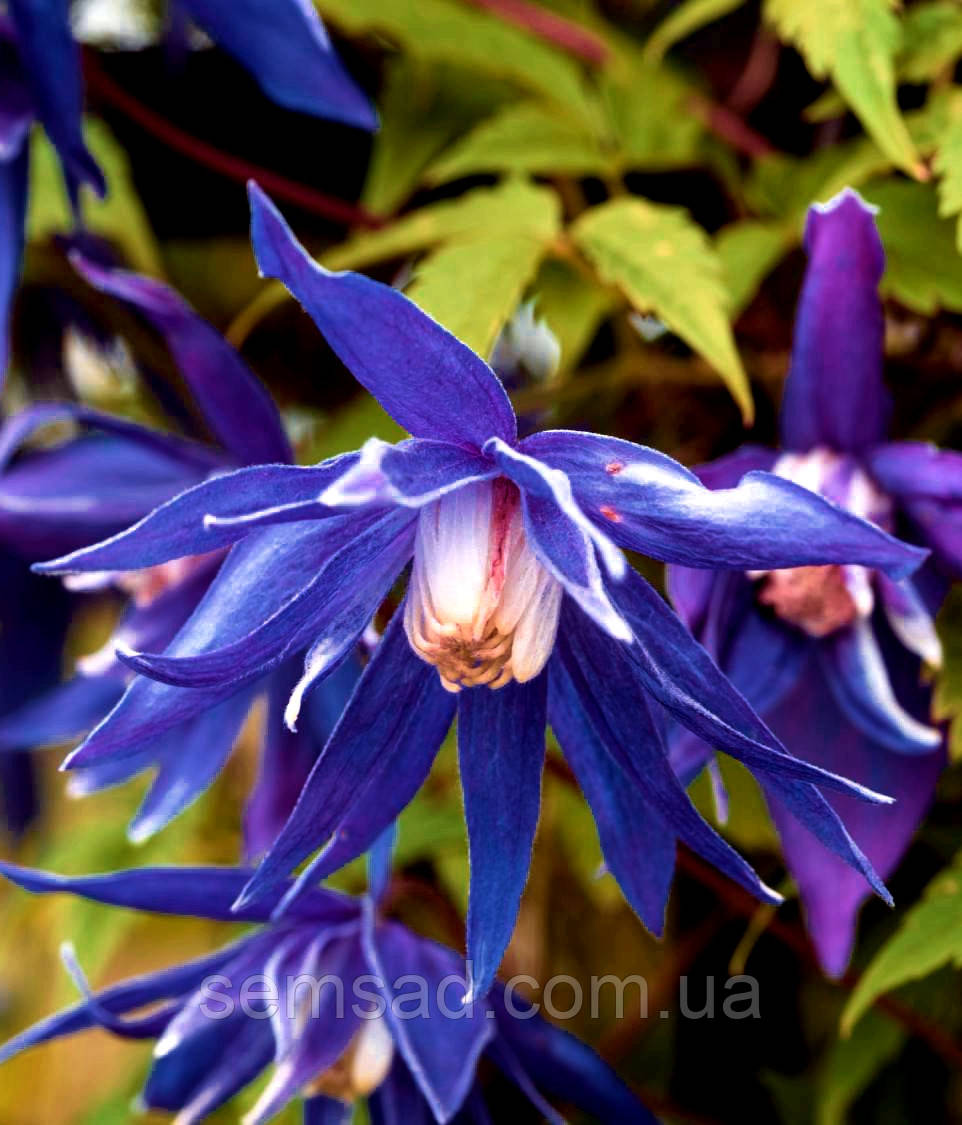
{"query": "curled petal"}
{"type": "Point", "coordinates": [649, 503]}
{"type": "Point", "coordinates": [859, 681]}
{"type": "Point", "coordinates": [411, 474]}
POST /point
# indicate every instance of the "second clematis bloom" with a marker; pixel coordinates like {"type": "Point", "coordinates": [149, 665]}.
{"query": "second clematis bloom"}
{"type": "Point", "coordinates": [342, 1002]}
{"type": "Point", "coordinates": [521, 611]}
{"type": "Point", "coordinates": [831, 656]}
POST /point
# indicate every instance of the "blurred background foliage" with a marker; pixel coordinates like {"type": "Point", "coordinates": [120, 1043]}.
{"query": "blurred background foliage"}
{"type": "Point", "coordinates": [641, 169]}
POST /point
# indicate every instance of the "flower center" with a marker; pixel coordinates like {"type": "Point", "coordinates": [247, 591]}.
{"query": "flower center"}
{"type": "Point", "coordinates": [361, 1069]}
{"type": "Point", "coordinates": [821, 599]}
{"type": "Point", "coordinates": [481, 608]}
{"type": "Point", "coordinates": [815, 598]}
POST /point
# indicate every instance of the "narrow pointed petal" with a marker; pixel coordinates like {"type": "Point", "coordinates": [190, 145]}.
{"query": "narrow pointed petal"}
{"type": "Point", "coordinates": [177, 527]}
{"type": "Point", "coordinates": [441, 1048]}
{"type": "Point", "coordinates": [628, 827]}
{"type": "Point", "coordinates": [501, 754]}
{"type": "Point", "coordinates": [916, 470]}
{"type": "Point", "coordinates": [380, 753]}
{"type": "Point", "coordinates": [335, 607]}
{"type": "Point", "coordinates": [564, 1067]}
{"type": "Point", "coordinates": [288, 757]}
{"type": "Point", "coordinates": [235, 603]}
{"type": "Point", "coordinates": [603, 692]}
{"type": "Point", "coordinates": [200, 892]}
{"type": "Point", "coordinates": [398, 1101]}
{"type": "Point", "coordinates": [649, 503]}
{"type": "Point", "coordinates": [65, 712]}
{"type": "Point", "coordinates": [856, 673]}
{"type": "Point", "coordinates": [127, 997]}
{"type": "Point", "coordinates": [13, 212]}
{"type": "Point", "coordinates": [834, 395]}
{"type": "Point", "coordinates": [235, 404]}
{"type": "Point", "coordinates": [318, 1042]}
{"type": "Point", "coordinates": [284, 45]}
{"type": "Point", "coordinates": [424, 377]}
{"type": "Point", "coordinates": [411, 473]}
{"type": "Point", "coordinates": [52, 64]}
{"type": "Point", "coordinates": [832, 893]}
{"type": "Point", "coordinates": [188, 759]}
{"type": "Point", "coordinates": [910, 620]}
{"type": "Point", "coordinates": [564, 539]}
{"type": "Point", "coordinates": [685, 680]}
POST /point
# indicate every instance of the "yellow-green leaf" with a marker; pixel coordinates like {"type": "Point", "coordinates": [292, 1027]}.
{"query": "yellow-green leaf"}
{"type": "Point", "coordinates": [948, 165]}
{"type": "Point", "coordinates": [855, 43]}
{"type": "Point", "coordinates": [851, 1063]}
{"type": "Point", "coordinates": [947, 700]}
{"type": "Point", "coordinates": [929, 937]}
{"type": "Point", "coordinates": [923, 266]}
{"type": "Point", "coordinates": [452, 32]}
{"type": "Point", "coordinates": [423, 107]}
{"type": "Point", "coordinates": [474, 287]}
{"type": "Point", "coordinates": [527, 137]}
{"type": "Point", "coordinates": [931, 41]}
{"type": "Point", "coordinates": [573, 307]}
{"type": "Point", "coordinates": [749, 250]}
{"type": "Point", "coordinates": [515, 206]}
{"type": "Point", "coordinates": [664, 263]}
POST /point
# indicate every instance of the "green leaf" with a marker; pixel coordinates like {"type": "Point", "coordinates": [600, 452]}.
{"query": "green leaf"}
{"type": "Point", "coordinates": [423, 107]}
{"type": "Point", "coordinates": [851, 1063]}
{"type": "Point", "coordinates": [684, 20]}
{"type": "Point", "coordinates": [527, 137]}
{"type": "Point", "coordinates": [649, 115]}
{"type": "Point", "coordinates": [923, 267]}
{"type": "Point", "coordinates": [749, 250]}
{"type": "Point", "coordinates": [929, 937]}
{"type": "Point", "coordinates": [664, 263]}
{"type": "Point", "coordinates": [573, 307]}
{"type": "Point", "coordinates": [947, 699]}
{"type": "Point", "coordinates": [452, 32]}
{"type": "Point", "coordinates": [948, 165]}
{"type": "Point", "coordinates": [119, 218]}
{"type": "Point", "coordinates": [474, 287]}
{"type": "Point", "coordinates": [854, 42]}
{"type": "Point", "coordinates": [513, 207]}
{"type": "Point", "coordinates": [931, 40]}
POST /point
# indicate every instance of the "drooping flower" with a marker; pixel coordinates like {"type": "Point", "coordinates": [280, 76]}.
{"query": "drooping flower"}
{"type": "Point", "coordinates": [830, 656]}
{"type": "Point", "coordinates": [521, 610]}
{"type": "Point", "coordinates": [39, 80]}
{"type": "Point", "coordinates": [96, 482]}
{"type": "Point", "coordinates": [343, 1003]}
{"type": "Point", "coordinates": [281, 42]}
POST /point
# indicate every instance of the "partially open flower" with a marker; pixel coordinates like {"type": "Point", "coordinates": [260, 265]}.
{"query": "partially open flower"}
{"type": "Point", "coordinates": [481, 608]}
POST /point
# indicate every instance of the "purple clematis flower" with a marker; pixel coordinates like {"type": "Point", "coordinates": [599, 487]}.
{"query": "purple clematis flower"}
{"type": "Point", "coordinates": [97, 483]}
{"type": "Point", "coordinates": [831, 655]}
{"type": "Point", "coordinates": [345, 1003]}
{"type": "Point", "coordinates": [39, 80]}
{"type": "Point", "coordinates": [281, 42]}
{"type": "Point", "coordinates": [520, 610]}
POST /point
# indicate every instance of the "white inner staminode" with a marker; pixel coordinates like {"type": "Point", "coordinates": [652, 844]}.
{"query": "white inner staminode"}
{"type": "Point", "coordinates": [481, 608]}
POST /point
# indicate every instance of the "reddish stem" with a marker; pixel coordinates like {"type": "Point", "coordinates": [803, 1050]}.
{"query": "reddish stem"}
{"type": "Point", "coordinates": [233, 167]}
{"type": "Point", "coordinates": [553, 29]}
{"type": "Point", "coordinates": [730, 127]}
